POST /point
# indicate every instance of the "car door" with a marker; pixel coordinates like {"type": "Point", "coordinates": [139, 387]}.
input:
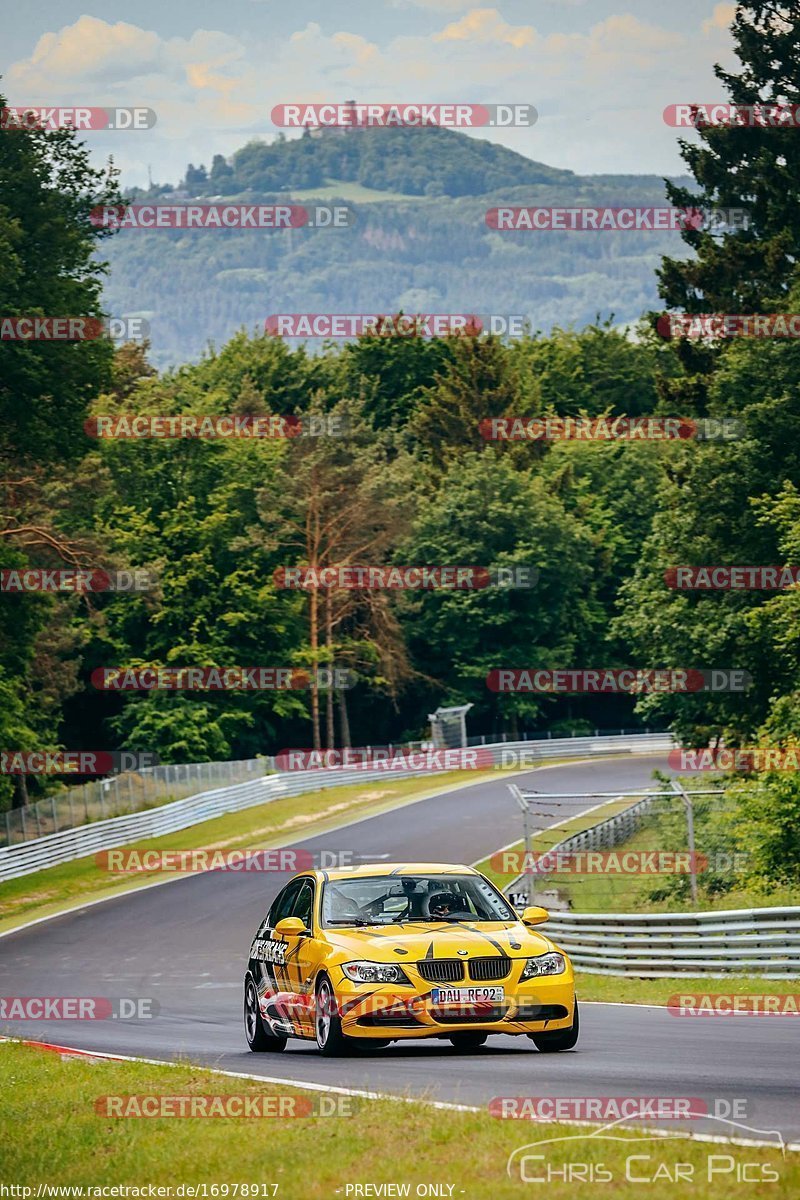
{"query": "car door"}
{"type": "Point", "coordinates": [306, 954]}
{"type": "Point", "coordinates": [269, 954]}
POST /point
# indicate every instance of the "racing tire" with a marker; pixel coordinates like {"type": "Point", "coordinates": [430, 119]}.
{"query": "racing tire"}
{"type": "Point", "coordinates": [560, 1039]}
{"type": "Point", "coordinates": [327, 1023]}
{"type": "Point", "coordinates": [468, 1041]}
{"type": "Point", "coordinates": [258, 1039]}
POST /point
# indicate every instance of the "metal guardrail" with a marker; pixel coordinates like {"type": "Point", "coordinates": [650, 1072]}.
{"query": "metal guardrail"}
{"type": "Point", "coordinates": [127, 792]}
{"type": "Point", "coordinates": [75, 843]}
{"type": "Point", "coordinates": [656, 945]}
{"type": "Point", "coordinates": [664, 945]}
{"type": "Point", "coordinates": [133, 790]}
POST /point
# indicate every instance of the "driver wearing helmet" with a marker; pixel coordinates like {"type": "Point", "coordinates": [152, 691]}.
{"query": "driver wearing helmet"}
{"type": "Point", "coordinates": [444, 904]}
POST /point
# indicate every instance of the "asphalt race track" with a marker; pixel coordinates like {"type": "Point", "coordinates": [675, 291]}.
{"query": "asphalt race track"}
{"type": "Point", "coordinates": [185, 944]}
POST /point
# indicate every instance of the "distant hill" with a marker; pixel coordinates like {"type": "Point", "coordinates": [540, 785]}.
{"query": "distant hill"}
{"type": "Point", "coordinates": [419, 242]}
{"type": "Point", "coordinates": [413, 162]}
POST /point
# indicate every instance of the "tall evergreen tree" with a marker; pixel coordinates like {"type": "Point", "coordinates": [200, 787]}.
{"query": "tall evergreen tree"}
{"type": "Point", "coordinates": [756, 168]}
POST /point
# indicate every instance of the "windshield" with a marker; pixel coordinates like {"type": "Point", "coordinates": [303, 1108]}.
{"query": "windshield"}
{"type": "Point", "coordinates": [400, 899]}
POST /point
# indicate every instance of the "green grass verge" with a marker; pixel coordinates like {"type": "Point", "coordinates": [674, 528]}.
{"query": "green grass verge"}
{"type": "Point", "coordinates": [54, 1135]}
{"type": "Point", "coordinates": [622, 989]}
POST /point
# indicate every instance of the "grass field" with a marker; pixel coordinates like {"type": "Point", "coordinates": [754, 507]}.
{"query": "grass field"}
{"type": "Point", "coordinates": [622, 989]}
{"type": "Point", "coordinates": [349, 190]}
{"type": "Point", "coordinates": [54, 1135]}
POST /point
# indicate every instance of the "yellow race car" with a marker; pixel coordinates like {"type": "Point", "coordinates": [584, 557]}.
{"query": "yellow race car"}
{"type": "Point", "coordinates": [386, 952]}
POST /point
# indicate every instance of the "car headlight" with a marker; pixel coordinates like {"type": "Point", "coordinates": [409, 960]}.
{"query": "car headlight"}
{"type": "Point", "coordinates": [544, 964]}
{"type": "Point", "coordinates": [372, 972]}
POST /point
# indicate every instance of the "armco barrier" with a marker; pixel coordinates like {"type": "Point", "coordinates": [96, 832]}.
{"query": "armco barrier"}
{"type": "Point", "coordinates": [63, 847]}
{"type": "Point", "coordinates": [655, 945]}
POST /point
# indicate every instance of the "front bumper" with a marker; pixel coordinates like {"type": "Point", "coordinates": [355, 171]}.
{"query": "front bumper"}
{"type": "Point", "coordinates": [396, 1011]}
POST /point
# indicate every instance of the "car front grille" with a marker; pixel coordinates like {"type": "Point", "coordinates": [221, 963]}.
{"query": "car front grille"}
{"type": "Point", "coordinates": [489, 968]}
{"type": "Point", "coordinates": [441, 970]}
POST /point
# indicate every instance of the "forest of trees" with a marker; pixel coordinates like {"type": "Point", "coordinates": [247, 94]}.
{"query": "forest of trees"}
{"type": "Point", "coordinates": [411, 482]}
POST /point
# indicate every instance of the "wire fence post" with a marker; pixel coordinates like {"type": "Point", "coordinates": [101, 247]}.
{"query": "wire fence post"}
{"type": "Point", "coordinates": [689, 807]}
{"type": "Point", "coordinates": [527, 840]}
{"type": "Point", "coordinates": [528, 859]}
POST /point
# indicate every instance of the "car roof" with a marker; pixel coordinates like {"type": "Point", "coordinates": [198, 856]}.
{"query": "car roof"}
{"type": "Point", "coordinates": [394, 868]}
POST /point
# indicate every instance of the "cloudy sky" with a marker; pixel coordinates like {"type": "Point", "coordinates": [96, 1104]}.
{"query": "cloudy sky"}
{"type": "Point", "coordinates": [600, 72]}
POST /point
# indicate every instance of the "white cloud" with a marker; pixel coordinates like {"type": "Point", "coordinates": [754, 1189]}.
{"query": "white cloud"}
{"type": "Point", "coordinates": [721, 18]}
{"type": "Point", "coordinates": [600, 89]}
{"type": "Point", "coordinates": [486, 25]}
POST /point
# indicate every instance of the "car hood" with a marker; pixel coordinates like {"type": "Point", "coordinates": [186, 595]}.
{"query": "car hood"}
{"type": "Point", "coordinates": [395, 943]}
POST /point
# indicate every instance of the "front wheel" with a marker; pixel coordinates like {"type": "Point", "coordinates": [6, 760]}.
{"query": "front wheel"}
{"type": "Point", "coordinates": [257, 1037]}
{"type": "Point", "coordinates": [468, 1041]}
{"type": "Point", "coordinates": [559, 1039]}
{"type": "Point", "coordinates": [327, 1022]}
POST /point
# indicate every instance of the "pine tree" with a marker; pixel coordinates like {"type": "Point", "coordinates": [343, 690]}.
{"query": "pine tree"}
{"type": "Point", "coordinates": [755, 168]}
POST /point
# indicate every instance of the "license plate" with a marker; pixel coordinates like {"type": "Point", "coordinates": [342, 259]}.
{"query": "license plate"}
{"type": "Point", "coordinates": [468, 995]}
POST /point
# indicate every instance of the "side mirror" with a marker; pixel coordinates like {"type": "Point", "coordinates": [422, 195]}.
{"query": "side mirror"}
{"type": "Point", "coordinates": [290, 927]}
{"type": "Point", "coordinates": [530, 916]}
